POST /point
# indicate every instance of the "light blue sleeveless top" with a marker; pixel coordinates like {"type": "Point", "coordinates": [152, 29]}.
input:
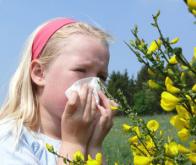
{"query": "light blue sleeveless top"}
{"type": "Point", "coordinates": [31, 149]}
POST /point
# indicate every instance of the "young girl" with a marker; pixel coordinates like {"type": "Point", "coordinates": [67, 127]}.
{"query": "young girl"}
{"type": "Point", "coordinates": [36, 112]}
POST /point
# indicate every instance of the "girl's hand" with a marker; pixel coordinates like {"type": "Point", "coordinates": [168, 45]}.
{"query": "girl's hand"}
{"type": "Point", "coordinates": [103, 123]}
{"type": "Point", "coordinates": [77, 119]}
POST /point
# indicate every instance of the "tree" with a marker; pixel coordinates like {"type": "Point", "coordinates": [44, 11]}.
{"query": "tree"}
{"type": "Point", "coordinates": [121, 81]}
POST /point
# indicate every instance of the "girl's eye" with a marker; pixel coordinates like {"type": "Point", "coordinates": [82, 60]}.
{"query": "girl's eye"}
{"type": "Point", "coordinates": [80, 70]}
{"type": "Point", "coordinates": [103, 78]}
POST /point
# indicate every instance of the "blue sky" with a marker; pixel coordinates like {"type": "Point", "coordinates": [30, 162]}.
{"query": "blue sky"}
{"type": "Point", "coordinates": [19, 18]}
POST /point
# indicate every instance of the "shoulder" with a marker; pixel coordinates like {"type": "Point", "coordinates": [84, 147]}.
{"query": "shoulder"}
{"type": "Point", "coordinates": [30, 149]}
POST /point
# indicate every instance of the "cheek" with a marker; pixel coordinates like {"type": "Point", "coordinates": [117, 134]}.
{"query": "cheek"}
{"type": "Point", "coordinates": [54, 91]}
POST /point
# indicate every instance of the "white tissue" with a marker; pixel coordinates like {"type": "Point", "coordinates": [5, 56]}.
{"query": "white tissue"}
{"type": "Point", "coordinates": [92, 82]}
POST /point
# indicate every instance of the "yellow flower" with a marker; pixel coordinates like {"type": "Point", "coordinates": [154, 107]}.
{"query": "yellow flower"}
{"type": "Point", "coordinates": [142, 160]}
{"type": "Point", "coordinates": [194, 88]}
{"type": "Point", "coordinates": [183, 134]}
{"type": "Point", "coordinates": [193, 146]}
{"type": "Point", "coordinates": [192, 157]}
{"type": "Point", "coordinates": [173, 60]}
{"type": "Point", "coordinates": [182, 112]}
{"type": "Point", "coordinates": [174, 41]}
{"type": "Point", "coordinates": [136, 130]}
{"type": "Point", "coordinates": [169, 101]}
{"type": "Point", "coordinates": [169, 162]}
{"type": "Point", "coordinates": [96, 161]}
{"type": "Point", "coordinates": [49, 147]}
{"type": "Point", "coordinates": [152, 84]}
{"type": "Point", "coordinates": [172, 89]}
{"type": "Point", "coordinates": [114, 108]}
{"type": "Point", "coordinates": [149, 143]}
{"type": "Point", "coordinates": [126, 127]}
{"type": "Point", "coordinates": [191, 4]}
{"type": "Point", "coordinates": [78, 156]}
{"type": "Point", "coordinates": [169, 86]}
{"type": "Point", "coordinates": [152, 125]}
{"type": "Point", "coordinates": [133, 140]}
{"type": "Point", "coordinates": [168, 81]}
{"type": "Point", "coordinates": [171, 149]}
{"type": "Point", "coordinates": [154, 46]}
{"type": "Point", "coordinates": [193, 108]}
{"type": "Point", "coordinates": [183, 149]}
{"type": "Point", "coordinates": [179, 122]}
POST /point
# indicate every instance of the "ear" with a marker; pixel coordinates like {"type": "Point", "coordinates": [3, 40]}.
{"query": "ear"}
{"type": "Point", "coordinates": [37, 72]}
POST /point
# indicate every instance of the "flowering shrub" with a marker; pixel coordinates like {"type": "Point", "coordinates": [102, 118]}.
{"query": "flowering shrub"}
{"type": "Point", "coordinates": [176, 77]}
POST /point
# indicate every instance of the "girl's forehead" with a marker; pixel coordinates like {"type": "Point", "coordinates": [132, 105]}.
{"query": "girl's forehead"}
{"type": "Point", "coordinates": [84, 47]}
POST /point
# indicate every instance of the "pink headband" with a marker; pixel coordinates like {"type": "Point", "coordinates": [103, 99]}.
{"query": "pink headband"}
{"type": "Point", "coordinates": [45, 33]}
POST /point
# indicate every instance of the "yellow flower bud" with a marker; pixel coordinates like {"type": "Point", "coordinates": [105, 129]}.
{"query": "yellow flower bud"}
{"type": "Point", "coordinates": [168, 81]}
{"type": "Point", "coordinates": [183, 149]}
{"type": "Point", "coordinates": [193, 146]}
{"type": "Point", "coordinates": [192, 157]}
{"type": "Point", "coordinates": [183, 134]}
{"type": "Point", "coordinates": [153, 125]}
{"type": "Point", "coordinates": [113, 108]}
{"type": "Point", "coordinates": [49, 147]}
{"type": "Point", "coordinates": [193, 108]}
{"type": "Point", "coordinates": [96, 161]}
{"type": "Point", "coordinates": [142, 160]}
{"type": "Point", "coordinates": [174, 41]}
{"type": "Point", "coordinates": [194, 88]}
{"type": "Point", "coordinates": [78, 156]}
{"type": "Point", "coordinates": [133, 140]}
{"type": "Point", "coordinates": [126, 127]}
{"type": "Point", "coordinates": [153, 85]}
{"type": "Point", "coordinates": [173, 60]}
{"type": "Point", "coordinates": [182, 76]}
{"type": "Point", "coordinates": [172, 89]}
{"type": "Point", "coordinates": [154, 46]}
{"type": "Point", "coordinates": [171, 149]}
{"type": "Point", "coordinates": [169, 162]}
{"type": "Point", "coordinates": [136, 130]}
{"type": "Point", "coordinates": [188, 97]}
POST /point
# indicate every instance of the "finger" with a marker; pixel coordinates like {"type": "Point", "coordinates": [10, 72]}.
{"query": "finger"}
{"type": "Point", "coordinates": [104, 100]}
{"type": "Point", "coordinates": [87, 109]}
{"type": "Point", "coordinates": [71, 104]}
{"type": "Point", "coordinates": [106, 104]}
{"type": "Point", "coordinates": [107, 119]}
{"type": "Point", "coordinates": [93, 107]}
{"type": "Point", "coordinates": [83, 96]}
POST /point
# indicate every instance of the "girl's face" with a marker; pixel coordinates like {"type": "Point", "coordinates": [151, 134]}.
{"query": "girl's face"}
{"type": "Point", "coordinates": [80, 57]}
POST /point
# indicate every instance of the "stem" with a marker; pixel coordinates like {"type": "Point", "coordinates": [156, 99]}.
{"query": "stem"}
{"type": "Point", "coordinates": [142, 143]}
{"type": "Point", "coordinates": [139, 150]}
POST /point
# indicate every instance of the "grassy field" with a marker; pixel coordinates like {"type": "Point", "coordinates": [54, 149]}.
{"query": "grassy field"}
{"type": "Point", "coordinates": [116, 147]}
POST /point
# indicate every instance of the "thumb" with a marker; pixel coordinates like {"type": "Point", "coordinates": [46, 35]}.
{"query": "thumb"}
{"type": "Point", "coordinates": [71, 105]}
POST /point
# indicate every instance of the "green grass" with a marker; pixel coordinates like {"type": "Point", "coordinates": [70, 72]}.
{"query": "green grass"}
{"type": "Point", "coordinates": [116, 147]}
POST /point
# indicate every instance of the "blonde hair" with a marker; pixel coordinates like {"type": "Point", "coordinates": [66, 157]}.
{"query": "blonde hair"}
{"type": "Point", "coordinates": [21, 106]}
